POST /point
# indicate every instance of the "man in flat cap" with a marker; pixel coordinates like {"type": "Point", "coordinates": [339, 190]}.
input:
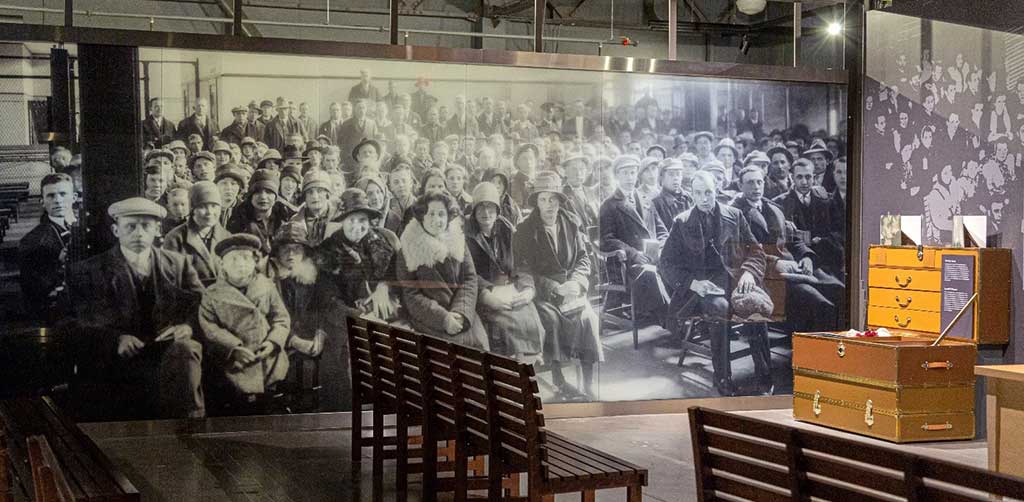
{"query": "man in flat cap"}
{"type": "Point", "coordinates": [138, 304]}
{"type": "Point", "coordinates": [155, 128]}
{"type": "Point", "coordinates": [199, 123]}
{"type": "Point", "coordinates": [626, 225]}
{"type": "Point", "coordinates": [284, 125]}
{"type": "Point", "coordinates": [235, 131]}
{"type": "Point", "coordinates": [45, 252]}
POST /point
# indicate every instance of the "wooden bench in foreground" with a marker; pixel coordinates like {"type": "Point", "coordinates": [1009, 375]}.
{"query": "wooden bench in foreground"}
{"type": "Point", "coordinates": [741, 458]}
{"type": "Point", "coordinates": [488, 405]}
{"type": "Point", "coordinates": [49, 453]}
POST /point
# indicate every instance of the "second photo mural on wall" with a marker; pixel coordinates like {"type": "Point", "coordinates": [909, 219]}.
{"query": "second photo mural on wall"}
{"type": "Point", "coordinates": [634, 237]}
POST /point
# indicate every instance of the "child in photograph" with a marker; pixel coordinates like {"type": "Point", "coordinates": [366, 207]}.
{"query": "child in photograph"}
{"type": "Point", "coordinates": [244, 321]}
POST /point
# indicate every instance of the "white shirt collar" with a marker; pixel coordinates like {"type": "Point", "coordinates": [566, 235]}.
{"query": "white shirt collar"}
{"type": "Point", "coordinates": [141, 263]}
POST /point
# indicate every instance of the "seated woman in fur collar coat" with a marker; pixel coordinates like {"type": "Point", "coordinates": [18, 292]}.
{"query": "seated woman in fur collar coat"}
{"type": "Point", "coordinates": [439, 282]}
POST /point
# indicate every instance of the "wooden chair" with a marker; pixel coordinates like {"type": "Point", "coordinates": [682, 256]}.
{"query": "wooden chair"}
{"type": "Point", "coordinates": [554, 464]}
{"type": "Point", "coordinates": [737, 457]}
{"type": "Point", "coordinates": [430, 375]}
{"type": "Point", "coordinates": [374, 384]}
{"type": "Point", "coordinates": [623, 316]}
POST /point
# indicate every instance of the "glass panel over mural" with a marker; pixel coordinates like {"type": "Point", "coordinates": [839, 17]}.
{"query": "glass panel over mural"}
{"type": "Point", "coordinates": [633, 236]}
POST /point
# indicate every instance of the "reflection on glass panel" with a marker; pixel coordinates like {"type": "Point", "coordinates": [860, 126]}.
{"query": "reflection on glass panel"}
{"type": "Point", "coordinates": [631, 236]}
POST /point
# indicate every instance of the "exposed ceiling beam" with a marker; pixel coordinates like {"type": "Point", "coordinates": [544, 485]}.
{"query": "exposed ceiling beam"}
{"type": "Point", "coordinates": [697, 12]}
{"type": "Point", "coordinates": [228, 11]}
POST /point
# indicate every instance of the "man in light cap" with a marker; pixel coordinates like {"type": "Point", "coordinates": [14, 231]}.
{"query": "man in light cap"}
{"type": "Point", "coordinates": [626, 227]}
{"type": "Point", "coordinates": [197, 237]}
{"type": "Point", "coordinates": [276, 134]}
{"type": "Point", "coordinates": [261, 213]}
{"type": "Point", "coordinates": [138, 304]}
{"type": "Point", "coordinates": [235, 131]}
{"type": "Point", "coordinates": [317, 214]}
{"type": "Point", "coordinates": [709, 254]}
{"type": "Point", "coordinates": [673, 199]}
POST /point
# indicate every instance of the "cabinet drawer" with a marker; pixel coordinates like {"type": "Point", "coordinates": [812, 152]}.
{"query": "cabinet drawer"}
{"type": "Point", "coordinates": [901, 257]}
{"type": "Point", "coordinates": [904, 319]}
{"type": "Point", "coordinates": [904, 278]}
{"type": "Point", "coordinates": [905, 300]}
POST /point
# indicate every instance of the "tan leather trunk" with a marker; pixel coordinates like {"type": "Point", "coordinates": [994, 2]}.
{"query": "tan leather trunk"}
{"type": "Point", "coordinates": [896, 388]}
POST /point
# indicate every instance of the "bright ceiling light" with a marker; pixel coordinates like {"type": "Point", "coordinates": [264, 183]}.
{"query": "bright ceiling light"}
{"type": "Point", "coordinates": [834, 29]}
{"type": "Point", "coordinates": [751, 7]}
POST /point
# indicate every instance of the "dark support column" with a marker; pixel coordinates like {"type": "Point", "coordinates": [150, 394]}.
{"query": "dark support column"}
{"type": "Point", "coordinates": [111, 134]}
{"type": "Point", "coordinates": [855, 31]}
{"type": "Point", "coordinates": [69, 13]}
{"type": "Point", "coordinates": [145, 85]}
{"type": "Point", "coordinates": [538, 25]}
{"type": "Point", "coordinates": [236, 26]}
{"type": "Point", "coordinates": [393, 21]}
{"type": "Point", "coordinates": [62, 110]}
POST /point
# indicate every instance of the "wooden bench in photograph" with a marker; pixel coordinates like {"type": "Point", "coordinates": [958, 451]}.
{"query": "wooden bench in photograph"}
{"type": "Point", "coordinates": [742, 458]}
{"type": "Point", "coordinates": [50, 454]}
{"type": "Point", "coordinates": [489, 405]}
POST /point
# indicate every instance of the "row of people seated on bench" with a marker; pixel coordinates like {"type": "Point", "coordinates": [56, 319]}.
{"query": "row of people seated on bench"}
{"type": "Point", "coordinates": [518, 287]}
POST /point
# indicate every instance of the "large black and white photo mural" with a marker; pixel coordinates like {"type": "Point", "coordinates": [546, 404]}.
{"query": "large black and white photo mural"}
{"type": "Point", "coordinates": [943, 116]}
{"type": "Point", "coordinates": [633, 236]}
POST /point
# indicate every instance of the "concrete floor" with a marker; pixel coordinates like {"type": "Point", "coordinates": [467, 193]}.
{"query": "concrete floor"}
{"type": "Point", "coordinates": [312, 465]}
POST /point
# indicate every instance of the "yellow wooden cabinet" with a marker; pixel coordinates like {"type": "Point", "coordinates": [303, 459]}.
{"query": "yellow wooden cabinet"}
{"type": "Point", "coordinates": [905, 290]}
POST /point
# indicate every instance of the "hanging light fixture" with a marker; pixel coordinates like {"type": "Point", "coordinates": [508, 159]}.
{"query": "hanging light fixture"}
{"type": "Point", "coordinates": [751, 7]}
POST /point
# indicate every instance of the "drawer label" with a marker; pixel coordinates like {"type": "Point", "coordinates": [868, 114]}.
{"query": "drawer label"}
{"type": "Point", "coordinates": [957, 289]}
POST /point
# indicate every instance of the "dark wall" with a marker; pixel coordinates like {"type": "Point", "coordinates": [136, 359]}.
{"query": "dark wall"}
{"type": "Point", "coordinates": [111, 135]}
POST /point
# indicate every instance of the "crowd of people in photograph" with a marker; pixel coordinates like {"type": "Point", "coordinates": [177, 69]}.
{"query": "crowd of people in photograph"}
{"type": "Point", "coordinates": [483, 221]}
{"type": "Point", "coordinates": [948, 134]}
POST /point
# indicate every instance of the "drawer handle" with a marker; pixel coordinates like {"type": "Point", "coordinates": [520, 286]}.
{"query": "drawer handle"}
{"type": "Point", "coordinates": [816, 405]}
{"type": "Point", "coordinates": [869, 413]}
{"type": "Point", "coordinates": [937, 427]}
{"type": "Point", "coordinates": [901, 324]}
{"type": "Point", "coordinates": [841, 349]}
{"type": "Point", "coordinates": [903, 284]}
{"type": "Point", "coordinates": [937, 365]}
{"type": "Point", "coordinates": [901, 304]}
